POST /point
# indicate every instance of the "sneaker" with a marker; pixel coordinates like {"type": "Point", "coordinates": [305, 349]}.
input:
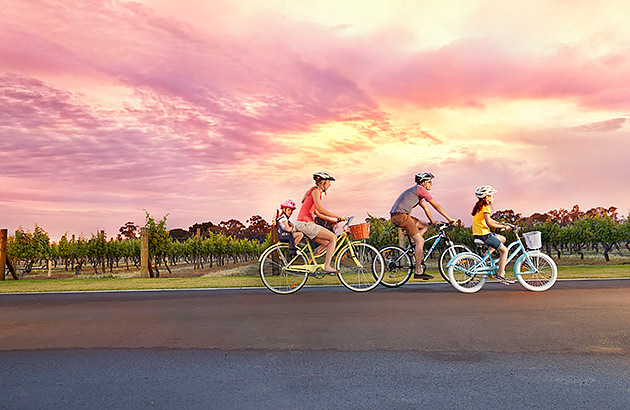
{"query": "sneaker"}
{"type": "Point", "coordinates": [424, 276]}
{"type": "Point", "coordinates": [504, 280]}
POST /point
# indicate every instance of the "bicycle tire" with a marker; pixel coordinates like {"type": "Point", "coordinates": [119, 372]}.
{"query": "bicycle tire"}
{"type": "Point", "coordinates": [538, 273]}
{"type": "Point", "coordinates": [462, 277]}
{"type": "Point", "coordinates": [367, 274]}
{"type": "Point", "coordinates": [274, 274]}
{"type": "Point", "coordinates": [399, 266]}
{"type": "Point", "coordinates": [448, 254]}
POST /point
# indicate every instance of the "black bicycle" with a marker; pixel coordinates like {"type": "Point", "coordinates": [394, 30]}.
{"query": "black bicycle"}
{"type": "Point", "coordinates": [400, 263]}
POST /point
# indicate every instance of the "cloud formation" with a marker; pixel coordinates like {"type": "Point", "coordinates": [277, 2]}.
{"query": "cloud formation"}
{"type": "Point", "coordinates": [211, 111]}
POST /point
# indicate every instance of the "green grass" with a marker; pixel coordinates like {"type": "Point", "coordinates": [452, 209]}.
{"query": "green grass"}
{"type": "Point", "coordinates": [112, 283]}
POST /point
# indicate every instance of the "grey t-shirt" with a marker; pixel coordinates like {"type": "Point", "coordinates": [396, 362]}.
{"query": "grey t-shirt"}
{"type": "Point", "coordinates": [410, 199]}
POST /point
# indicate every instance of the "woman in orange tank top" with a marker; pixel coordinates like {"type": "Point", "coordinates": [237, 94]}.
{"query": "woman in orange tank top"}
{"type": "Point", "coordinates": [311, 207]}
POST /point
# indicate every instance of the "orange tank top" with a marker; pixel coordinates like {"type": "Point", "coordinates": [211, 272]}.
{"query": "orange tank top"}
{"type": "Point", "coordinates": [307, 210]}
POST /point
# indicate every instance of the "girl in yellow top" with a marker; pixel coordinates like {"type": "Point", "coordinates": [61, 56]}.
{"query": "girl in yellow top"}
{"type": "Point", "coordinates": [482, 222]}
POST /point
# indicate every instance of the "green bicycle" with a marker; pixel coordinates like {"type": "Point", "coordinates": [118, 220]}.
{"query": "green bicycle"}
{"type": "Point", "coordinates": [360, 265]}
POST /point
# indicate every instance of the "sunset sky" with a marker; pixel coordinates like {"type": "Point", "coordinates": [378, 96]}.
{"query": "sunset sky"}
{"type": "Point", "coordinates": [208, 110]}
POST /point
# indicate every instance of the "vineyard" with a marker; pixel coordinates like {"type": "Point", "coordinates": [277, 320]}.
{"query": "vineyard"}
{"type": "Point", "coordinates": [573, 235]}
{"type": "Point", "coordinates": [33, 251]}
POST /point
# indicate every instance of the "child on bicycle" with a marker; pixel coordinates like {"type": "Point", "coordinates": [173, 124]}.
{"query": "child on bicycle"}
{"type": "Point", "coordinates": [311, 206]}
{"type": "Point", "coordinates": [286, 230]}
{"type": "Point", "coordinates": [415, 228]}
{"type": "Point", "coordinates": [482, 222]}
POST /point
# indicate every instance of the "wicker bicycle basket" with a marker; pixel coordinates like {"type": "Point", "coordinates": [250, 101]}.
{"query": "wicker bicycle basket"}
{"type": "Point", "coordinates": [533, 239]}
{"type": "Point", "coordinates": [360, 231]}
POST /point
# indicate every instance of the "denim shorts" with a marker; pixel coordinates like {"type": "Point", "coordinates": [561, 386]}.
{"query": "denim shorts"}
{"type": "Point", "coordinates": [490, 240]}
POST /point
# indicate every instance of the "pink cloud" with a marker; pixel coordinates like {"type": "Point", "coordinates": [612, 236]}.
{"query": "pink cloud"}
{"type": "Point", "coordinates": [468, 72]}
{"type": "Point", "coordinates": [602, 126]}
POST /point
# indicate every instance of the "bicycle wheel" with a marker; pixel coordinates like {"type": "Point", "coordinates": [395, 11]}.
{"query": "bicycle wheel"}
{"type": "Point", "coordinates": [398, 266]}
{"type": "Point", "coordinates": [275, 270]}
{"type": "Point", "coordinates": [362, 272]}
{"type": "Point", "coordinates": [447, 254]}
{"type": "Point", "coordinates": [536, 271]}
{"type": "Point", "coordinates": [462, 273]}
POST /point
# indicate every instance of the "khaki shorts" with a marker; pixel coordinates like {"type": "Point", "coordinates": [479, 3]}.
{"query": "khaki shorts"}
{"type": "Point", "coordinates": [407, 222]}
{"type": "Point", "coordinates": [310, 229]}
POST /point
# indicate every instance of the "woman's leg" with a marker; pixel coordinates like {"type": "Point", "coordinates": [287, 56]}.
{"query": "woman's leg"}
{"type": "Point", "coordinates": [325, 235]}
{"type": "Point", "coordinates": [297, 236]}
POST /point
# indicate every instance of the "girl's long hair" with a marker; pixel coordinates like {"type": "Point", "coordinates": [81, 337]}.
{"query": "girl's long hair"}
{"type": "Point", "coordinates": [480, 203]}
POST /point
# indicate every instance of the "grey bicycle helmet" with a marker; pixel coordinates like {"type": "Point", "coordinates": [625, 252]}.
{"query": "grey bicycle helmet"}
{"type": "Point", "coordinates": [423, 177]}
{"type": "Point", "coordinates": [484, 190]}
{"type": "Point", "coordinates": [321, 176]}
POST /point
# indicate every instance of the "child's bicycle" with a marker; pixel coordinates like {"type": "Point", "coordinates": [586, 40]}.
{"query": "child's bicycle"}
{"type": "Point", "coordinates": [360, 265]}
{"type": "Point", "coordinates": [534, 270]}
{"type": "Point", "coordinates": [400, 263]}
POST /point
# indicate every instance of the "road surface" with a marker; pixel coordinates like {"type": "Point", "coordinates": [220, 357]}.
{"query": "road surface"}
{"type": "Point", "coordinates": [420, 346]}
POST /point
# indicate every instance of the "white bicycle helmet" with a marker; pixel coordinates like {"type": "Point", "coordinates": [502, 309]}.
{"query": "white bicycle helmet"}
{"type": "Point", "coordinates": [320, 176]}
{"type": "Point", "coordinates": [423, 177]}
{"type": "Point", "coordinates": [484, 190]}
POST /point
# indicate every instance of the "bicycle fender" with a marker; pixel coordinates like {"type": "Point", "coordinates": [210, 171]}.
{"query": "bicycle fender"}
{"type": "Point", "coordinates": [523, 256]}
{"type": "Point", "coordinates": [262, 255]}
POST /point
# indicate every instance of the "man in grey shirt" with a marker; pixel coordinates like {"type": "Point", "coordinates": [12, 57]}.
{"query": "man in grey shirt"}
{"type": "Point", "coordinates": [415, 228]}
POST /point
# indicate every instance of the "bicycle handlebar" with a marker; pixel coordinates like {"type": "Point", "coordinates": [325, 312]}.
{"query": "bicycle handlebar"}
{"type": "Point", "coordinates": [444, 225]}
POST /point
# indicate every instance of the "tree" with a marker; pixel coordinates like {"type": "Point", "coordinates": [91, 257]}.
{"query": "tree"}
{"type": "Point", "coordinates": [258, 228]}
{"type": "Point", "coordinates": [507, 216]}
{"type": "Point", "coordinates": [179, 234]}
{"type": "Point", "coordinates": [128, 231]}
{"type": "Point", "coordinates": [205, 228]}
{"type": "Point", "coordinates": [232, 227]}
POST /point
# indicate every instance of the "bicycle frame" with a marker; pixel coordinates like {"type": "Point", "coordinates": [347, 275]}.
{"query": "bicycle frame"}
{"type": "Point", "coordinates": [412, 247]}
{"type": "Point", "coordinates": [488, 265]}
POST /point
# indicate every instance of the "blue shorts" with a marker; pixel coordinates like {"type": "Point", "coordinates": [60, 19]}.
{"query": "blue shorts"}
{"type": "Point", "coordinates": [490, 240]}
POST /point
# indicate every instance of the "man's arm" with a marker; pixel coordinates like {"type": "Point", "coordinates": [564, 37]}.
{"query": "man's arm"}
{"type": "Point", "coordinates": [438, 208]}
{"type": "Point", "coordinates": [427, 211]}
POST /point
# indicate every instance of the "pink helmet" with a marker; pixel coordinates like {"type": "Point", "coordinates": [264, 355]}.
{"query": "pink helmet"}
{"type": "Point", "coordinates": [288, 204]}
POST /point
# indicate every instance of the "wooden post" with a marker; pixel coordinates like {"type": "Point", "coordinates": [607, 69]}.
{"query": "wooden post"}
{"type": "Point", "coordinates": [103, 254]}
{"type": "Point", "coordinates": [401, 237]}
{"type": "Point", "coordinates": [49, 268]}
{"type": "Point", "coordinates": [73, 258]}
{"type": "Point", "coordinates": [197, 256]}
{"type": "Point", "coordinates": [3, 251]}
{"type": "Point", "coordinates": [144, 252]}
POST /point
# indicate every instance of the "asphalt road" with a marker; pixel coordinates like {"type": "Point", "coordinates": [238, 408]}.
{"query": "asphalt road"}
{"type": "Point", "coordinates": [420, 346]}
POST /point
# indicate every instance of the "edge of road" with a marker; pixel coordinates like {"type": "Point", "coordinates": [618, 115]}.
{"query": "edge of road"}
{"type": "Point", "coordinates": [258, 288]}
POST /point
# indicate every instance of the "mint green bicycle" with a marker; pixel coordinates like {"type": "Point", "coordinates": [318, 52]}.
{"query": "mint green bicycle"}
{"type": "Point", "coordinates": [534, 270]}
{"type": "Point", "coordinates": [360, 265]}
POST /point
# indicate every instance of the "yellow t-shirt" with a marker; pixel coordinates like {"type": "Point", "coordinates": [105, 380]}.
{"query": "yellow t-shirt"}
{"type": "Point", "coordinates": [479, 225]}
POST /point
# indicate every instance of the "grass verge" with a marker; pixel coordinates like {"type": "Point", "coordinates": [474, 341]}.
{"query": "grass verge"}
{"type": "Point", "coordinates": [113, 283]}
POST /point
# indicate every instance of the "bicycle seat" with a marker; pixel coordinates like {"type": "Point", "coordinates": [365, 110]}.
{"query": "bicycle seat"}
{"type": "Point", "coordinates": [480, 246]}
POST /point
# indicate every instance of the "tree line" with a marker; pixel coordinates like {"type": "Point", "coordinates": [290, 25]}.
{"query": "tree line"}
{"type": "Point", "coordinates": [571, 231]}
